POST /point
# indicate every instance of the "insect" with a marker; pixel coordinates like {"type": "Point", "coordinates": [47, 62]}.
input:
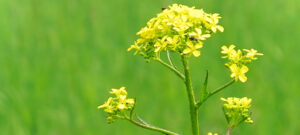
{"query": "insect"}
{"type": "Point", "coordinates": [193, 38]}
{"type": "Point", "coordinates": [163, 8]}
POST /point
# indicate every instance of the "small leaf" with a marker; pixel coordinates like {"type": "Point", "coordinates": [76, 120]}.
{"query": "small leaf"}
{"type": "Point", "coordinates": [204, 93]}
{"type": "Point", "coordinates": [141, 120]}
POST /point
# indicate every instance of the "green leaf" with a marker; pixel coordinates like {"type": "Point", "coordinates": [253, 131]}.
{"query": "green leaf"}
{"type": "Point", "coordinates": [204, 93]}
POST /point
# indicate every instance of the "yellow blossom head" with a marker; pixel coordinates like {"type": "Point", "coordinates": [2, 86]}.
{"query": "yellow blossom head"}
{"type": "Point", "coordinates": [179, 29]}
{"type": "Point", "coordinates": [117, 106]}
{"type": "Point", "coordinates": [252, 53]}
{"type": "Point", "coordinates": [238, 59]}
{"type": "Point", "coordinates": [238, 72]}
{"type": "Point", "coordinates": [227, 50]}
{"type": "Point", "coordinates": [236, 110]}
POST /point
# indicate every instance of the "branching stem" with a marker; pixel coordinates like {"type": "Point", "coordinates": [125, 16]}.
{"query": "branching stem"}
{"type": "Point", "coordinates": [149, 127]}
{"type": "Point", "coordinates": [215, 92]}
{"type": "Point", "coordinates": [186, 77]}
{"type": "Point", "coordinates": [178, 73]}
{"type": "Point", "coordinates": [222, 87]}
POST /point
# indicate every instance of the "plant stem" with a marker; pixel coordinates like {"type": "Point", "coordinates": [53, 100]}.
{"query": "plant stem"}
{"type": "Point", "coordinates": [170, 60]}
{"type": "Point", "coordinates": [221, 88]}
{"type": "Point", "coordinates": [229, 131]}
{"type": "Point", "coordinates": [152, 127]}
{"type": "Point", "coordinates": [191, 97]}
{"type": "Point", "coordinates": [178, 73]}
{"type": "Point", "coordinates": [215, 92]}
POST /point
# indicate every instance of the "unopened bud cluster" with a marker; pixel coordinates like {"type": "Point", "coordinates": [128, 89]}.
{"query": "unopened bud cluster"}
{"type": "Point", "coordinates": [236, 110]}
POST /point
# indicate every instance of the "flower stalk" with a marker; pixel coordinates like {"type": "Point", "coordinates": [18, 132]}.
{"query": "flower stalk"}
{"type": "Point", "coordinates": [172, 68]}
{"type": "Point", "coordinates": [149, 127]}
{"type": "Point", "coordinates": [229, 131]}
{"type": "Point", "coordinates": [215, 92]}
{"type": "Point", "coordinates": [191, 97]}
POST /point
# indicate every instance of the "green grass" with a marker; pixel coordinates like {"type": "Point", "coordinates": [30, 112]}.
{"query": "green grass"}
{"type": "Point", "coordinates": [59, 59]}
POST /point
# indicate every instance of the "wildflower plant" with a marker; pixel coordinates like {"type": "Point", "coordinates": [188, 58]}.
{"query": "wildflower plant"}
{"type": "Point", "coordinates": [182, 30]}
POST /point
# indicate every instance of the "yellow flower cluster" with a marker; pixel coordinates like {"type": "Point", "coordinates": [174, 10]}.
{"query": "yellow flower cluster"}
{"type": "Point", "coordinates": [117, 106]}
{"type": "Point", "coordinates": [178, 28]}
{"type": "Point", "coordinates": [236, 110]}
{"type": "Point", "coordinates": [238, 60]}
{"type": "Point", "coordinates": [210, 133]}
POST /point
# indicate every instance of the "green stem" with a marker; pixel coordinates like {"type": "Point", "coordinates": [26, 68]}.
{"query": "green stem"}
{"type": "Point", "coordinates": [178, 73]}
{"type": "Point", "coordinates": [191, 97]}
{"type": "Point", "coordinates": [170, 60]}
{"type": "Point", "coordinates": [164, 131]}
{"type": "Point", "coordinates": [229, 131]}
{"type": "Point", "coordinates": [222, 87]}
{"type": "Point", "coordinates": [215, 92]}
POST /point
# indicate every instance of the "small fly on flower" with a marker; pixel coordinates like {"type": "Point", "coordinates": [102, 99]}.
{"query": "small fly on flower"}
{"type": "Point", "coordinates": [193, 38]}
{"type": "Point", "coordinates": [162, 9]}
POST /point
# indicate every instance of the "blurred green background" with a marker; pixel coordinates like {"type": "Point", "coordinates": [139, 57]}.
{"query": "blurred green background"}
{"type": "Point", "coordinates": [59, 59]}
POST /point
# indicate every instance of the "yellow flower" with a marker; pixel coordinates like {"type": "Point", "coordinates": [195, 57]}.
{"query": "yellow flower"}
{"type": "Point", "coordinates": [120, 93]}
{"type": "Point", "coordinates": [161, 45]}
{"type": "Point", "coordinates": [252, 53]}
{"type": "Point", "coordinates": [235, 56]}
{"type": "Point", "coordinates": [213, 21]}
{"type": "Point", "coordinates": [109, 109]}
{"type": "Point", "coordinates": [198, 34]}
{"type": "Point", "coordinates": [181, 26]}
{"type": "Point", "coordinates": [134, 46]}
{"type": "Point", "coordinates": [231, 53]}
{"type": "Point", "coordinates": [158, 46]}
{"type": "Point", "coordinates": [227, 50]}
{"type": "Point", "coordinates": [147, 33]}
{"type": "Point", "coordinates": [238, 73]}
{"type": "Point", "coordinates": [214, 28]}
{"type": "Point", "coordinates": [172, 28]}
{"type": "Point", "coordinates": [130, 101]}
{"type": "Point", "coordinates": [193, 48]}
{"type": "Point", "coordinates": [233, 102]}
{"type": "Point", "coordinates": [172, 42]}
{"type": "Point", "coordinates": [117, 106]}
{"type": "Point", "coordinates": [249, 120]}
{"type": "Point", "coordinates": [238, 60]}
{"type": "Point", "coordinates": [121, 106]}
{"type": "Point", "coordinates": [197, 14]}
{"type": "Point", "coordinates": [210, 133]}
{"type": "Point", "coordinates": [106, 104]}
